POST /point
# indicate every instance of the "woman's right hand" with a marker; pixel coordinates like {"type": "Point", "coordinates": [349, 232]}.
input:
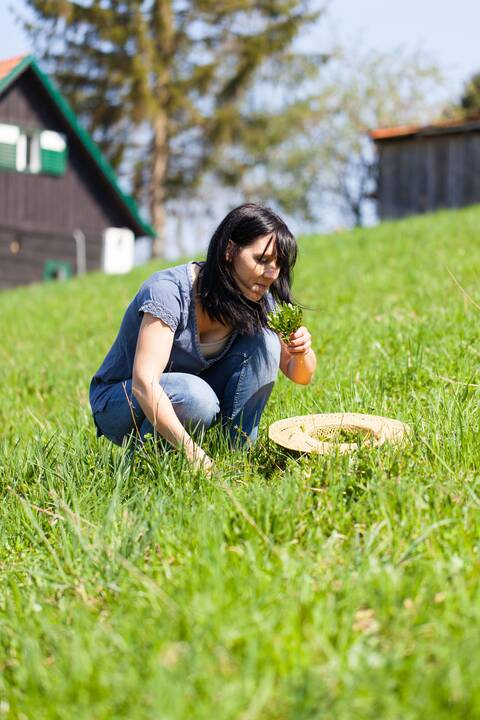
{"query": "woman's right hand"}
{"type": "Point", "coordinates": [201, 461]}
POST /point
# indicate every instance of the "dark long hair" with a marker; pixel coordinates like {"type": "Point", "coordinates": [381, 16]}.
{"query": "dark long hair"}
{"type": "Point", "coordinates": [220, 296]}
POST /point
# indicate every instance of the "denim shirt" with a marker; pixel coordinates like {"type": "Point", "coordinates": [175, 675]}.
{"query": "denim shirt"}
{"type": "Point", "coordinates": [168, 295]}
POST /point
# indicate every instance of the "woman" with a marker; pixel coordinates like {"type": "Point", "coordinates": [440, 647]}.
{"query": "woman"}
{"type": "Point", "coordinates": [194, 347]}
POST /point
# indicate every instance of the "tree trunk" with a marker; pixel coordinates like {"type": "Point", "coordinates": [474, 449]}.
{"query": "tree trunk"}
{"type": "Point", "coordinates": [357, 213]}
{"type": "Point", "coordinates": [157, 182]}
{"type": "Point", "coordinates": [163, 27]}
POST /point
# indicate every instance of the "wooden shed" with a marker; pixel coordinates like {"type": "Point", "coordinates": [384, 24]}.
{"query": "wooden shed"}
{"type": "Point", "coordinates": [424, 168]}
{"type": "Point", "coordinates": [60, 201]}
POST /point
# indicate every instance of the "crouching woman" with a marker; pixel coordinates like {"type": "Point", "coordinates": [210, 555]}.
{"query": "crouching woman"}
{"type": "Point", "coordinates": [194, 347]}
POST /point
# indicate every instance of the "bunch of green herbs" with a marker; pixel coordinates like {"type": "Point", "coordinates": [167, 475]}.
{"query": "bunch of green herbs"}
{"type": "Point", "coordinates": [285, 320]}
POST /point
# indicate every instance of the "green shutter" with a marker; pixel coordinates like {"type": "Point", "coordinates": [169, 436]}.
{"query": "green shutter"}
{"type": "Point", "coordinates": [53, 153]}
{"type": "Point", "coordinates": [52, 162]}
{"type": "Point", "coordinates": [8, 156]}
{"type": "Point", "coordinates": [9, 135]}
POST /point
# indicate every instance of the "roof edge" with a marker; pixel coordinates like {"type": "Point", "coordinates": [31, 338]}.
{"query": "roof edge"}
{"type": "Point", "coordinates": [17, 70]}
{"type": "Point", "coordinates": [396, 131]}
{"type": "Point", "coordinates": [399, 131]}
{"type": "Point", "coordinates": [84, 137]}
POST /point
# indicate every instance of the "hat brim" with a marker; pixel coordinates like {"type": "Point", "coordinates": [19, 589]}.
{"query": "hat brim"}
{"type": "Point", "coordinates": [312, 433]}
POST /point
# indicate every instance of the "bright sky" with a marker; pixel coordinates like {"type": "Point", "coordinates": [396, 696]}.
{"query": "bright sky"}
{"type": "Point", "coordinates": [447, 31]}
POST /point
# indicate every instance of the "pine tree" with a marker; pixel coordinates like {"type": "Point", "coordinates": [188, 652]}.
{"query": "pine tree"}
{"type": "Point", "coordinates": [162, 84]}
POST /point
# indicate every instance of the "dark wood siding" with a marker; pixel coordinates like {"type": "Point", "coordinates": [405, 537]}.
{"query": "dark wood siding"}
{"type": "Point", "coordinates": [422, 174]}
{"type": "Point", "coordinates": [44, 209]}
{"type": "Point", "coordinates": [35, 249]}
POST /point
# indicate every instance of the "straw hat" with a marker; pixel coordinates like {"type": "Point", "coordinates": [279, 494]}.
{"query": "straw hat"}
{"type": "Point", "coordinates": [323, 433]}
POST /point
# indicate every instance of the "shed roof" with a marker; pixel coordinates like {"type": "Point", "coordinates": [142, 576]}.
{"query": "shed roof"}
{"type": "Point", "coordinates": [11, 69]}
{"type": "Point", "coordinates": [406, 131]}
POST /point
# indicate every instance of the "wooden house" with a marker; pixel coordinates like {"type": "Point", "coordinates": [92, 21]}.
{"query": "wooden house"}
{"type": "Point", "coordinates": [424, 168]}
{"type": "Point", "coordinates": [61, 206]}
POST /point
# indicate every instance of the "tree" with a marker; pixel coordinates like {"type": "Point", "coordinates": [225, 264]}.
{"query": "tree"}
{"type": "Point", "coordinates": [329, 166]}
{"type": "Point", "coordinates": [468, 107]}
{"type": "Point", "coordinates": [161, 84]}
{"type": "Point", "coordinates": [375, 89]}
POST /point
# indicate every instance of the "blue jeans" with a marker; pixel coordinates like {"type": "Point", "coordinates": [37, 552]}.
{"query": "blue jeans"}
{"type": "Point", "coordinates": [233, 391]}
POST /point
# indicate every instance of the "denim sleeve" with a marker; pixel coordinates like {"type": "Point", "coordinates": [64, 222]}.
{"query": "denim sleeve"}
{"type": "Point", "coordinates": [161, 299]}
{"type": "Point", "coordinates": [270, 303]}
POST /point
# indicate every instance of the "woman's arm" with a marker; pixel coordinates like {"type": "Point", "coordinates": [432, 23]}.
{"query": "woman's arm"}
{"type": "Point", "coordinates": [297, 359]}
{"type": "Point", "coordinates": [154, 345]}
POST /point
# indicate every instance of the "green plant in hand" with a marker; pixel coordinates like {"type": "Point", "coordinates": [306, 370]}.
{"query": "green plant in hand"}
{"type": "Point", "coordinates": [285, 320]}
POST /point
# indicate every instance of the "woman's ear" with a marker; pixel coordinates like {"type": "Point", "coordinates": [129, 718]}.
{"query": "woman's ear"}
{"type": "Point", "coordinates": [229, 251]}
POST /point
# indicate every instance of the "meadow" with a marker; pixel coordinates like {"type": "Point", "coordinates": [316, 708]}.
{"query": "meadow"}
{"type": "Point", "coordinates": [283, 587]}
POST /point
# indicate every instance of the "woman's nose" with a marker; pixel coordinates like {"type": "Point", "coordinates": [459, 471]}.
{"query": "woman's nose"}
{"type": "Point", "coordinates": [271, 271]}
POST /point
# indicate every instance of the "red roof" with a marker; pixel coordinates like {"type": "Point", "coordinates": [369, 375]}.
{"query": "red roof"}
{"type": "Point", "coordinates": [6, 66]}
{"type": "Point", "coordinates": [390, 132]}
{"type": "Point", "coordinates": [432, 129]}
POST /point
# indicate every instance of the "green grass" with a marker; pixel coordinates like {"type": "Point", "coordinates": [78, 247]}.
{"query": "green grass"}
{"type": "Point", "coordinates": [284, 588]}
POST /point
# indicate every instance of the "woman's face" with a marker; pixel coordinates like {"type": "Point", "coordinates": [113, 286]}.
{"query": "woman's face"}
{"type": "Point", "coordinates": [255, 267]}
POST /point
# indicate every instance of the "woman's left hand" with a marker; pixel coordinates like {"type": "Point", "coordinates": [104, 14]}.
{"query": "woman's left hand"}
{"type": "Point", "coordinates": [299, 342]}
{"type": "Point", "coordinates": [297, 359]}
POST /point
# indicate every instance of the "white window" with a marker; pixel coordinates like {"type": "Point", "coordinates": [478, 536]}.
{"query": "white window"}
{"type": "Point", "coordinates": [32, 151]}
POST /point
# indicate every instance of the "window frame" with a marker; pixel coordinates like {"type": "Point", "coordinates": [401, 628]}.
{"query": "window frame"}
{"type": "Point", "coordinates": [28, 150]}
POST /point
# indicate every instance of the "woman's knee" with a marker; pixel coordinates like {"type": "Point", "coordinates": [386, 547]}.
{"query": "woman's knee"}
{"type": "Point", "coordinates": [264, 356]}
{"type": "Point", "coordinates": [195, 403]}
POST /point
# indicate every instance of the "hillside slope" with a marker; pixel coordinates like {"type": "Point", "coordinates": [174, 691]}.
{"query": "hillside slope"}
{"type": "Point", "coordinates": [372, 295]}
{"type": "Point", "coordinates": [284, 587]}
